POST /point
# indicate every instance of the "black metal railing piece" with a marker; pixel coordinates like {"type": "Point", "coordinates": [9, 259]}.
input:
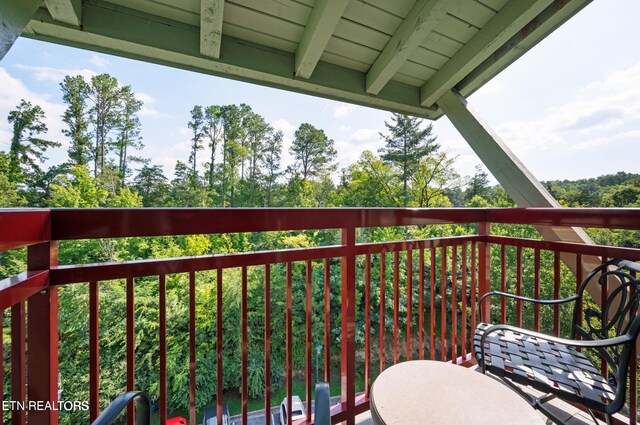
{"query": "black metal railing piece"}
{"type": "Point", "coordinates": [142, 409]}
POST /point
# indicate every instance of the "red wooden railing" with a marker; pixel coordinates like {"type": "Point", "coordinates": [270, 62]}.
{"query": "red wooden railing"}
{"type": "Point", "coordinates": [460, 265]}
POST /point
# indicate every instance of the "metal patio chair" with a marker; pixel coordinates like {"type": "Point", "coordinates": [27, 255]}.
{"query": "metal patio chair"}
{"type": "Point", "coordinates": [552, 365]}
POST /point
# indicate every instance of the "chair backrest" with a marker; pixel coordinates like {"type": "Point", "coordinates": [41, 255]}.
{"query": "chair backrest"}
{"type": "Point", "coordinates": [617, 316]}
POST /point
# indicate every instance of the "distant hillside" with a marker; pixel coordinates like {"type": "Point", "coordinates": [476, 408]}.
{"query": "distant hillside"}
{"type": "Point", "coordinates": [612, 190]}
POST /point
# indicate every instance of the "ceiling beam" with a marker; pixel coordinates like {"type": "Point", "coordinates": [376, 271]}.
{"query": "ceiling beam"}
{"type": "Point", "coordinates": [67, 11]}
{"type": "Point", "coordinates": [14, 17]}
{"type": "Point", "coordinates": [320, 26]}
{"type": "Point", "coordinates": [211, 14]}
{"type": "Point", "coordinates": [423, 17]}
{"type": "Point", "coordinates": [167, 42]}
{"type": "Point", "coordinates": [504, 25]}
{"type": "Point", "coordinates": [542, 25]}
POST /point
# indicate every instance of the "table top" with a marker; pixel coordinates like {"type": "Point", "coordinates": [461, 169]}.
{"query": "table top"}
{"type": "Point", "coordinates": [422, 391]}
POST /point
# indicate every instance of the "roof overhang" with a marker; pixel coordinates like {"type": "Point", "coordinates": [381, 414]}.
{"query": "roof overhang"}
{"type": "Point", "coordinates": [400, 56]}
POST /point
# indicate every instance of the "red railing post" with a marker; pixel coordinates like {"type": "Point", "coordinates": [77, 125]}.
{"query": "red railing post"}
{"type": "Point", "coordinates": [42, 338]}
{"type": "Point", "coordinates": [484, 270]}
{"type": "Point", "coordinates": [348, 364]}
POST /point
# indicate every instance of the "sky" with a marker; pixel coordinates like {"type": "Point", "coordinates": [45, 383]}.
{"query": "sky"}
{"type": "Point", "coordinates": [569, 108]}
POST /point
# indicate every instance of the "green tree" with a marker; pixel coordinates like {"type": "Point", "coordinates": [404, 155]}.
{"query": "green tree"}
{"type": "Point", "coordinates": [75, 92]}
{"type": "Point", "coordinates": [104, 93]}
{"type": "Point", "coordinates": [478, 184]}
{"type": "Point", "coordinates": [27, 150]}
{"type": "Point", "coordinates": [152, 185]}
{"type": "Point", "coordinates": [78, 190]}
{"type": "Point", "coordinates": [433, 180]}
{"type": "Point", "coordinates": [197, 127]}
{"type": "Point", "coordinates": [128, 138]}
{"type": "Point", "coordinates": [212, 129]}
{"type": "Point", "coordinates": [406, 145]}
{"type": "Point", "coordinates": [271, 166]}
{"type": "Point", "coordinates": [368, 183]}
{"type": "Point", "coordinates": [313, 152]}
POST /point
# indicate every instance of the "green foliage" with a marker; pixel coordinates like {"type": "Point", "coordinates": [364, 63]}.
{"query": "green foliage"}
{"type": "Point", "coordinates": [313, 152]}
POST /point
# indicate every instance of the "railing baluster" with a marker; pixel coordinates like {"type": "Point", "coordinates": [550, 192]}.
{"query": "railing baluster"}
{"type": "Point", "coordinates": [18, 362]}
{"type": "Point", "coordinates": [327, 319]}
{"type": "Point", "coordinates": [192, 348]}
{"type": "Point", "coordinates": [383, 291]}
{"type": "Point", "coordinates": [309, 376]}
{"type": "Point", "coordinates": [162, 307]}
{"type": "Point", "coordinates": [267, 344]}
{"type": "Point", "coordinates": [131, 359]}
{"type": "Point", "coordinates": [348, 311]}
{"type": "Point", "coordinates": [443, 303]}
{"type": "Point", "coordinates": [473, 287]}
{"type": "Point", "coordinates": [421, 305]}
{"type": "Point", "coordinates": [244, 325]}
{"type": "Point", "coordinates": [432, 305]}
{"type": "Point", "coordinates": [409, 301]}
{"type": "Point", "coordinates": [556, 292]}
{"type": "Point", "coordinates": [454, 304]}
{"type": "Point", "coordinates": [503, 283]}
{"type": "Point", "coordinates": [519, 285]}
{"type": "Point", "coordinates": [367, 322]}
{"type": "Point", "coordinates": [289, 340]}
{"type": "Point", "coordinates": [94, 352]}
{"type": "Point", "coordinates": [536, 289]}
{"type": "Point", "coordinates": [578, 283]}
{"type": "Point", "coordinates": [463, 296]}
{"type": "Point", "coordinates": [219, 371]}
{"type": "Point", "coordinates": [484, 270]}
{"type": "Point", "coordinates": [396, 306]}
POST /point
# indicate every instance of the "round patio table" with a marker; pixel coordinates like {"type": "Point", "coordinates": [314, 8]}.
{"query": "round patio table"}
{"type": "Point", "coordinates": [429, 392]}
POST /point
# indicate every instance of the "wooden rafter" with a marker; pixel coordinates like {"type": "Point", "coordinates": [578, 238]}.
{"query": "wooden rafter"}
{"type": "Point", "coordinates": [423, 17]}
{"type": "Point", "coordinates": [504, 25]}
{"type": "Point", "coordinates": [67, 11]}
{"type": "Point", "coordinates": [211, 14]}
{"type": "Point", "coordinates": [322, 22]}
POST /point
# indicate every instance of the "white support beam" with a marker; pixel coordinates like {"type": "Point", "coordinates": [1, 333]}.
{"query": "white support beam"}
{"type": "Point", "coordinates": [513, 176]}
{"type": "Point", "coordinates": [67, 11]}
{"type": "Point", "coordinates": [14, 17]}
{"type": "Point", "coordinates": [504, 25]}
{"type": "Point", "coordinates": [532, 33]}
{"type": "Point", "coordinates": [320, 26]}
{"type": "Point", "coordinates": [211, 14]}
{"type": "Point", "coordinates": [423, 17]}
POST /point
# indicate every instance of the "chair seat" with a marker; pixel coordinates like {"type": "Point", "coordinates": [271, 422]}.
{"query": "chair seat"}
{"type": "Point", "coordinates": [543, 365]}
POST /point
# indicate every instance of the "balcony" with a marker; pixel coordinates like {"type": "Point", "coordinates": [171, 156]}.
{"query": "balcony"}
{"type": "Point", "coordinates": [399, 299]}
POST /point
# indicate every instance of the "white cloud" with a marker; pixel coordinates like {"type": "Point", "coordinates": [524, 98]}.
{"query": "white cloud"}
{"type": "Point", "coordinates": [350, 149]}
{"type": "Point", "coordinates": [46, 73]}
{"type": "Point", "coordinates": [344, 109]}
{"type": "Point", "coordinates": [12, 90]}
{"type": "Point", "coordinates": [144, 97]}
{"type": "Point", "coordinates": [99, 61]}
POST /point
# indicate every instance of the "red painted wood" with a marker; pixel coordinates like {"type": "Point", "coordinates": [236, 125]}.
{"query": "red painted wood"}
{"type": "Point", "coordinates": [556, 292]}
{"type": "Point", "coordinates": [396, 306]}
{"type": "Point", "coordinates": [308, 342]}
{"type": "Point", "coordinates": [2, 362]}
{"type": "Point", "coordinates": [18, 362]}
{"type": "Point", "coordinates": [94, 352]}
{"type": "Point", "coordinates": [20, 287]}
{"type": "Point", "coordinates": [42, 337]}
{"type": "Point", "coordinates": [162, 307]}
{"type": "Point", "coordinates": [443, 303]}
{"type": "Point", "coordinates": [421, 305]}
{"type": "Point", "coordinates": [382, 345]}
{"type": "Point", "coordinates": [367, 322]}
{"type": "Point", "coordinates": [23, 227]}
{"type": "Point", "coordinates": [463, 296]}
{"type": "Point", "coordinates": [454, 304]}
{"type": "Point", "coordinates": [192, 348]}
{"type": "Point", "coordinates": [131, 359]}
{"type": "Point", "coordinates": [610, 218]}
{"type": "Point", "coordinates": [348, 322]}
{"type": "Point", "coordinates": [267, 344]}
{"type": "Point", "coordinates": [409, 336]}
{"type": "Point", "coordinates": [289, 340]}
{"type": "Point", "coordinates": [484, 270]}
{"type": "Point", "coordinates": [243, 325]}
{"type": "Point", "coordinates": [327, 319]}
{"type": "Point", "coordinates": [432, 305]}
{"type": "Point", "coordinates": [536, 289]}
{"type": "Point", "coordinates": [219, 368]}
{"type": "Point", "coordinates": [519, 285]}
{"type": "Point", "coordinates": [473, 285]}
{"type": "Point", "coordinates": [503, 283]}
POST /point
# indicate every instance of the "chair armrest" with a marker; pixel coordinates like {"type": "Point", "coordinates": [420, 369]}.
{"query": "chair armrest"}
{"type": "Point", "coordinates": [601, 343]}
{"type": "Point", "coordinates": [532, 300]}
